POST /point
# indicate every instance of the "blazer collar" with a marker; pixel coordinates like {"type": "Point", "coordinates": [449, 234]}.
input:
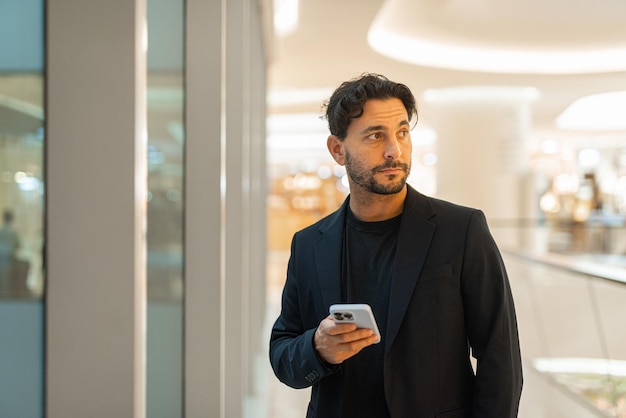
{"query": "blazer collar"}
{"type": "Point", "coordinates": [416, 232]}
{"type": "Point", "coordinates": [328, 248]}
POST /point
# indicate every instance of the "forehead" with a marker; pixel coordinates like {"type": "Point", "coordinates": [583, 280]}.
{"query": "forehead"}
{"type": "Point", "coordinates": [381, 112]}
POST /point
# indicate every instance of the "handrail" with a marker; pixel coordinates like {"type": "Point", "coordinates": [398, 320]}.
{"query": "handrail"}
{"type": "Point", "coordinates": [579, 264]}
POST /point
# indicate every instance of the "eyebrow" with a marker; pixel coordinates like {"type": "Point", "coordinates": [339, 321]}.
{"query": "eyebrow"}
{"type": "Point", "coordinates": [381, 127]}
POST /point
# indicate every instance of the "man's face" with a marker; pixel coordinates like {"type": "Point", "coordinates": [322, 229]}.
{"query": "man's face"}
{"type": "Point", "coordinates": [377, 148]}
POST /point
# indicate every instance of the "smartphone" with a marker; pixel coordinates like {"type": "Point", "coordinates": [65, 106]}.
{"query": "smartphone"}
{"type": "Point", "coordinates": [355, 313]}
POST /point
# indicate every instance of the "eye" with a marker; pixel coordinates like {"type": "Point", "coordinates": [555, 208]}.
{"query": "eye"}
{"type": "Point", "coordinates": [375, 136]}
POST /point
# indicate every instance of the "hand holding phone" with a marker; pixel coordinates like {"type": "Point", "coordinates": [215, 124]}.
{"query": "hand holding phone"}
{"type": "Point", "coordinates": [355, 313]}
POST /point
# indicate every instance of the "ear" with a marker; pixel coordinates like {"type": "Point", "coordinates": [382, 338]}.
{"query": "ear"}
{"type": "Point", "coordinates": [335, 147]}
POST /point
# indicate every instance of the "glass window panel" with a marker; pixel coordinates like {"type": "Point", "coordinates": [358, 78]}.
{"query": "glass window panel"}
{"type": "Point", "coordinates": [21, 208]}
{"type": "Point", "coordinates": [166, 137]}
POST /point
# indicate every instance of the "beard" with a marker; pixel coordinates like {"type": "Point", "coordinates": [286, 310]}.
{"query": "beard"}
{"type": "Point", "coordinates": [366, 178]}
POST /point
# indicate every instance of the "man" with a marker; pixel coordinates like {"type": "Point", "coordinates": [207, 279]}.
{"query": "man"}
{"type": "Point", "coordinates": [9, 245]}
{"type": "Point", "coordinates": [429, 269]}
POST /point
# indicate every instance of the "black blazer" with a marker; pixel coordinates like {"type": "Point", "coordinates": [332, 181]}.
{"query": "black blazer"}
{"type": "Point", "coordinates": [449, 294]}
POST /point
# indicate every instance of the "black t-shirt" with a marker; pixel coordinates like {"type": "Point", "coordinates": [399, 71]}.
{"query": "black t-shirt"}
{"type": "Point", "coordinates": [369, 249]}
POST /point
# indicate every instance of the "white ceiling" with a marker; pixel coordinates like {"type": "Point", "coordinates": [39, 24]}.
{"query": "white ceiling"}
{"type": "Point", "coordinates": [330, 45]}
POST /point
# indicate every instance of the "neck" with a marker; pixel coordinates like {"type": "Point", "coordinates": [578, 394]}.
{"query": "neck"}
{"type": "Point", "coordinates": [371, 207]}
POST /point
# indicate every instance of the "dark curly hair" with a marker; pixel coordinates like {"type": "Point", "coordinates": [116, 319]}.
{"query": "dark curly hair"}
{"type": "Point", "coordinates": [346, 103]}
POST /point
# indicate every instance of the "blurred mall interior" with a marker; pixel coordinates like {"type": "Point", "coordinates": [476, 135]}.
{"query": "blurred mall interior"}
{"type": "Point", "coordinates": [157, 156]}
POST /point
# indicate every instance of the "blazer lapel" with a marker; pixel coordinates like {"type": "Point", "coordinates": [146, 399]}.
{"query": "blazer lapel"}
{"type": "Point", "coordinates": [328, 249]}
{"type": "Point", "coordinates": [413, 241]}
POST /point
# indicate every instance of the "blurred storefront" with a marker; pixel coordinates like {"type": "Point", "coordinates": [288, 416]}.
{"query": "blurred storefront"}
{"type": "Point", "coordinates": [583, 203]}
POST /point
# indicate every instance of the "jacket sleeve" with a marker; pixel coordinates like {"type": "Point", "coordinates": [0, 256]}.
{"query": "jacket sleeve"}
{"type": "Point", "coordinates": [491, 324]}
{"type": "Point", "coordinates": [292, 353]}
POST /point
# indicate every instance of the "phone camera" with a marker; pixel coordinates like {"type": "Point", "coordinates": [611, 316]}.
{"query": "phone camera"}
{"type": "Point", "coordinates": [343, 316]}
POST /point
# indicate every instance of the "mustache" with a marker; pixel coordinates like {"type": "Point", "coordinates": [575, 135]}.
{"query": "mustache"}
{"type": "Point", "coordinates": [391, 164]}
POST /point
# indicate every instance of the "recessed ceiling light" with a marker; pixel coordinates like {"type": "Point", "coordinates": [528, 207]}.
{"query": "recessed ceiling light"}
{"type": "Point", "coordinates": [285, 16]}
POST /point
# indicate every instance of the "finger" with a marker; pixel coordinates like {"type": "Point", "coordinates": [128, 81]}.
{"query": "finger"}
{"type": "Point", "coordinates": [351, 348]}
{"type": "Point", "coordinates": [328, 326]}
{"type": "Point", "coordinates": [341, 329]}
{"type": "Point", "coordinates": [355, 335]}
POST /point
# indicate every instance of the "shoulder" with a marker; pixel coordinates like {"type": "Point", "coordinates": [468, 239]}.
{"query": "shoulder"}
{"type": "Point", "coordinates": [323, 224]}
{"type": "Point", "coordinates": [432, 207]}
{"type": "Point", "coordinates": [330, 222]}
{"type": "Point", "coordinates": [446, 206]}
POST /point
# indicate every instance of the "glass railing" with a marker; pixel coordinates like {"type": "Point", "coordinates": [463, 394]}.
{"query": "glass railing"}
{"type": "Point", "coordinates": [569, 286]}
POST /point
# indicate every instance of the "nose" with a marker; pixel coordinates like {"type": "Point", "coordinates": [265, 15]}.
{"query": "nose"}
{"type": "Point", "coordinates": [392, 149]}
